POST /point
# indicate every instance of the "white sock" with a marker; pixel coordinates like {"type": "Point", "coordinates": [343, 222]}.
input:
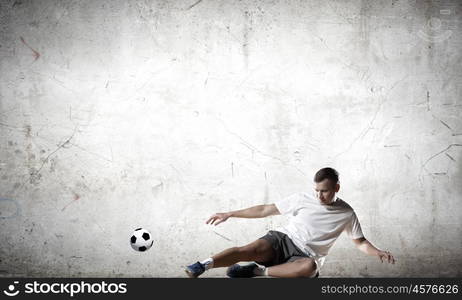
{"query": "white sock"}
{"type": "Point", "coordinates": [260, 271]}
{"type": "Point", "coordinates": [208, 263]}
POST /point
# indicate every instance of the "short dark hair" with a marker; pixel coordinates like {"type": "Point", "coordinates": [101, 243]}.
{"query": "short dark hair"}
{"type": "Point", "coordinates": [326, 173]}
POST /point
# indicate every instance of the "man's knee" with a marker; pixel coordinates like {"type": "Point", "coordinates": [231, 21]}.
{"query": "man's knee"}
{"type": "Point", "coordinates": [256, 249]}
{"type": "Point", "coordinates": [307, 267]}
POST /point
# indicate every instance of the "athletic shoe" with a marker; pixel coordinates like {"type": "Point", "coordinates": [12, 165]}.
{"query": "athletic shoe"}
{"type": "Point", "coordinates": [195, 270]}
{"type": "Point", "coordinates": [238, 271]}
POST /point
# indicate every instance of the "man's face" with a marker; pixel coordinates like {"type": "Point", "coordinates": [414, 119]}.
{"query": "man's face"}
{"type": "Point", "coordinates": [325, 191]}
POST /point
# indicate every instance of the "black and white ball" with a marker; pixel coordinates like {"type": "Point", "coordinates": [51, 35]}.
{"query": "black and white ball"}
{"type": "Point", "coordinates": [141, 240]}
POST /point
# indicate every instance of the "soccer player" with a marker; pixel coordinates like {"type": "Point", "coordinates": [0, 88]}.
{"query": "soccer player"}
{"type": "Point", "coordinates": [299, 248]}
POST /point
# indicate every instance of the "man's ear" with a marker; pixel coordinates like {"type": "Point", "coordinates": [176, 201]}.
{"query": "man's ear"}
{"type": "Point", "coordinates": [337, 187]}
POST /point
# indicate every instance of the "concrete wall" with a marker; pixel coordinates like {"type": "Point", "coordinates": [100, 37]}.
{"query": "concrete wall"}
{"type": "Point", "coordinates": [123, 114]}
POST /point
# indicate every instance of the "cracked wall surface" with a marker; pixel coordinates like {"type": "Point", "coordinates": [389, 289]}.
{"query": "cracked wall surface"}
{"type": "Point", "coordinates": [123, 114]}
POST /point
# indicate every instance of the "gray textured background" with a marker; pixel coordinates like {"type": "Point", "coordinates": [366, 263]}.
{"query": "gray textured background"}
{"type": "Point", "coordinates": [120, 114]}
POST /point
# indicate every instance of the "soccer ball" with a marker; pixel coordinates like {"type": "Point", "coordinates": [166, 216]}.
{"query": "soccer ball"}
{"type": "Point", "coordinates": [141, 240]}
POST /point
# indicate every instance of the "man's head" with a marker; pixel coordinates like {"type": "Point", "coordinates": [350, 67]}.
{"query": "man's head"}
{"type": "Point", "coordinates": [326, 185]}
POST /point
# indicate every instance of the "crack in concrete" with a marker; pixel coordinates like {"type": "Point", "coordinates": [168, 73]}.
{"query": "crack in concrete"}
{"type": "Point", "coordinates": [20, 129]}
{"type": "Point", "coordinates": [194, 4]}
{"type": "Point", "coordinates": [92, 153]}
{"type": "Point", "coordinates": [36, 54]}
{"type": "Point", "coordinates": [220, 235]}
{"type": "Point", "coordinates": [444, 150]}
{"type": "Point", "coordinates": [450, 157]}
{"type": "Point", "coordinates": [369, 127]}
{"type": "Point", "coordinates": [446, 125]}
{"type": "Point", "coordinates": [253, 148]}
{"type": "Point", "coordinates": [53, 152]}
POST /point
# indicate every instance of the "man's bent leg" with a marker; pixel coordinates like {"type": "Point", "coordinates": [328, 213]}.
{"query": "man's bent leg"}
{"type": "Point", "coordinates": [303, 267]}
{"type": "Point", "coordinates": [259, 250]}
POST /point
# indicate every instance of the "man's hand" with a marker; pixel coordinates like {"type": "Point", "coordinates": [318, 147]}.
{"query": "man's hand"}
{"type": "Point", "coordinates": [365, 246]}
{"type": "Point", "coordinates": [218, 218]}
{"type": "Point", "coordinates": [387, 256]}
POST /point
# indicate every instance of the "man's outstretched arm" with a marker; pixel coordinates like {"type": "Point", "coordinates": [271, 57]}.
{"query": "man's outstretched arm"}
{"type": "Point", "coordinates": [365, 246]}
{"type": "Point", "coordinates": [259, 211]}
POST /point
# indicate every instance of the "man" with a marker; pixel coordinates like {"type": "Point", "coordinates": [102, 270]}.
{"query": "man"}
{"type": "Point", "coordinates": [299, 248]}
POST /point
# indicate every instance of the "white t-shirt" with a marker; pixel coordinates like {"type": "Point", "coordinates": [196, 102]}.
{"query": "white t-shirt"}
{"type": "Point", "coordinates": [313, 226]}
